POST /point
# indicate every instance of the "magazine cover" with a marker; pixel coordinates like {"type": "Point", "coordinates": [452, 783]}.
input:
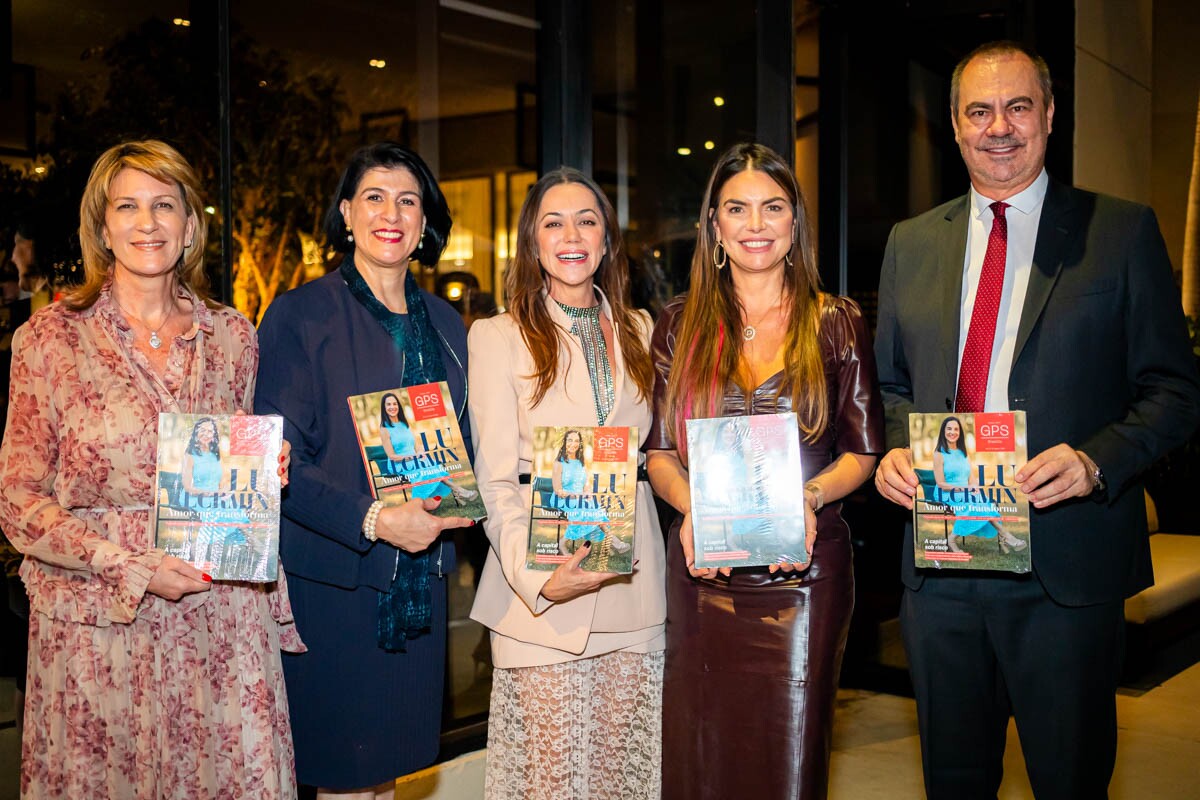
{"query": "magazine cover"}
{"type": "Point", "coordinates": [217, 504]}
{"type": "Point", "coordinates": [584, 487]}
{"type": "Point", "coordinates": [747, 495]}
{"type": "Point", "coordinates": [969, 512]}
{"type": "Point", "coordinates": [412, 447]}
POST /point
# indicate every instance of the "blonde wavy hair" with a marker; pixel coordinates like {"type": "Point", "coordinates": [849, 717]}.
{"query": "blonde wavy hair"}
{"type": "Point", "coordinates": [163, 163]}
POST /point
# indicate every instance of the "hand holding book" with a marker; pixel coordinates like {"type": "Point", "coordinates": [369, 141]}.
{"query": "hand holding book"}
{"type": "Point", "coordinates": [569, 580]}
{"type": "Point", "coordinates": [175, 578]}
{"type": "Point", "coordinates": [895, 478]}
{"type": "Point", "coordinates": [412, 527]}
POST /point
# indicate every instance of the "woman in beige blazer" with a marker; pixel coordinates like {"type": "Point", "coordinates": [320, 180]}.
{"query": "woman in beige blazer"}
{"type": "Point", "coordinates": [577, 690]}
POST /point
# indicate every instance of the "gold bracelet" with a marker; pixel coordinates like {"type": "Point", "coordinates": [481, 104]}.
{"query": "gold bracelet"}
{"type": "Point", "coordinates": [368, 528]}
{"type": "Point", "coordinates": [818, 493]}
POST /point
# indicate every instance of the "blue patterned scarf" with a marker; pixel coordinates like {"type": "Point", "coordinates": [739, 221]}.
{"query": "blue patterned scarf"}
{"type": "Point", "coordinates": [405, 609]}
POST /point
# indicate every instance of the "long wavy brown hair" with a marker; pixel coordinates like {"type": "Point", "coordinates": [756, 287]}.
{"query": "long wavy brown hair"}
{"type": "Point", "coordinates": [525, 283]}
{"type": "Point", "coordinates": [163, 163]}
{"type": "Point", "coordinates": [708, 353]}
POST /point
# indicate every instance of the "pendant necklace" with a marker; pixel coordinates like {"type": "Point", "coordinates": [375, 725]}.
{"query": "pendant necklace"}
{"type": "Point", "coordinates": [155, 341]}
{"type": "Point", "coordinates": [750, 331]}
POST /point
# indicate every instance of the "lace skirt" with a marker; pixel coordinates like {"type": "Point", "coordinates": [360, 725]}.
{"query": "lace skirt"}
{"type": "Point", "coordinates": [589, 729]}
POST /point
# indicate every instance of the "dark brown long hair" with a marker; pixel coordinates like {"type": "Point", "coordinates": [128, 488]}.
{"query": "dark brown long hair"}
{"type": "Point", "coordinates": [709, 354]}
{"type": "Point", "coordinates": [525, 281]}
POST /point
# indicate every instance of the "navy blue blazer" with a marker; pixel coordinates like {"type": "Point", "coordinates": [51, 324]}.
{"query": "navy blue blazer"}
{"type": "Point", "coordinates": [317, 346]}
{"type": "Point", "coordinates": [1102, 362]}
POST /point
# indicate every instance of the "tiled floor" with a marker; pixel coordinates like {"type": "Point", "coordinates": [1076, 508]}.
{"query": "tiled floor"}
{"type": "Point", "coordinates": [876, 754]}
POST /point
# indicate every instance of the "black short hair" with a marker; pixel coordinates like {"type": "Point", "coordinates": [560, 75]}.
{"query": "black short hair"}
{"type": "Point", "coordinates": [389, 155]}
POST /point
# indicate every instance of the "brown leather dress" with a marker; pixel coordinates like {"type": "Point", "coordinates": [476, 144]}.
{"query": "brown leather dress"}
{"type": "Point", "coordinates": [753, 660]}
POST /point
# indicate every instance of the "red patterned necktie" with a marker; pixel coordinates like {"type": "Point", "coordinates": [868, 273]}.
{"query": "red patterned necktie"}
{"type": "Point", "coordinates": [977, 354]}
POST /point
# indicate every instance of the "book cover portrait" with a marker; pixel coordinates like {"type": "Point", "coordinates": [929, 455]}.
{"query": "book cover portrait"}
{"type": "Point", "coordinates": [747, 490]}
{"type": "Point", "coordinates": [969, 512]}
{"type": "Point", "coordinates": [412, 447]}
{"type": "Point", "coordinates": [584, 487]}
{"type": "Point", "coordinates": [217, 504]}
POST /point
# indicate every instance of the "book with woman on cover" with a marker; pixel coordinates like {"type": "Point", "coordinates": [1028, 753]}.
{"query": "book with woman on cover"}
{"type": "Point", "coordinates": [747, 490]}
{"type": "Point", "coordinates": [412, 447]}
{"type": "Point", "coordinates": [217, 499]}
{"type": "Point", "coordinates": [969, 512]}
{"type": "Point", "coordinates": [584, 489]}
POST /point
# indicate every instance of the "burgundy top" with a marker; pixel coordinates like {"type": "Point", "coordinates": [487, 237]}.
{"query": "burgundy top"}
{"type": "Point", "coordinates": [856, 410]}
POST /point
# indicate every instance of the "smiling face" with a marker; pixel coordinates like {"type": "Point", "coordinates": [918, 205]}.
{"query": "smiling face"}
{"type": "Point", "coordinates": [572, 444]}
{"type": "Point", "coordinates": [754, 221]}
{"type": "Point", "coordinates": [391, 407]}
{"type": "Point", "coordinates": [205, 433]}
{"type": "Point", "coordinates": [1002, 124]}
{"type": "Point", "coordinates": [146, 224]}
{"type": "Point", "coordinates": [386, 218]}
{"type": "Point", "coordinates": [570, 238]}
{"type": "Point", "coordinates": [952, 431]}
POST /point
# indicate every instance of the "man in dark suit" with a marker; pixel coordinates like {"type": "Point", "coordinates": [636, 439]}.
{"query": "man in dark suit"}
{"type": "Point", "coordinates": [1059, 303]}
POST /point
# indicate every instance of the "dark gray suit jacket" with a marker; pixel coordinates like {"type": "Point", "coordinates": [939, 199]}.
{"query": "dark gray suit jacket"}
{"type": "Point", "coordinates": [1102, 362]}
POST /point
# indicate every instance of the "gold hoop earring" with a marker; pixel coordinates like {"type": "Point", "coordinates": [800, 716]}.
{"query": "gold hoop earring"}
{"type": "Point", "coordinates": [724, 255]}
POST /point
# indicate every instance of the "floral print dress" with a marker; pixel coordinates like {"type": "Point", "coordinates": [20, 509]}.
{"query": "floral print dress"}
{"type": "Point", "coordinates": [130, 695]}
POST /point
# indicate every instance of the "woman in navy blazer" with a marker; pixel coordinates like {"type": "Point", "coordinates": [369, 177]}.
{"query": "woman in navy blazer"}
{"type": "Point", "coordinates": [367, 582]}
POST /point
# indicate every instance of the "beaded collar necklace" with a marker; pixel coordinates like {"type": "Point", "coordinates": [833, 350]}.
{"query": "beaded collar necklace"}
{"type": "Point", "coordinates": [585, 325]}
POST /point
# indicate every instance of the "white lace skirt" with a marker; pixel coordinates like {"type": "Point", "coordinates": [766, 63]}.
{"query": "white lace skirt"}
{"type": "Point", "coordinates": [586, 730]}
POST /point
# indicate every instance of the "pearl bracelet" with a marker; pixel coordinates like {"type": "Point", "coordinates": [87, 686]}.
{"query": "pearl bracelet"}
{"type": "Point", "coordinates": [818, 494]}
{"type": "Point", "coordinates": [368, 528]}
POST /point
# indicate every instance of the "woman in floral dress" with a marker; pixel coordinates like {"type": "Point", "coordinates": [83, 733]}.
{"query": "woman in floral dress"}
{"type": "Point", "coordinates": [146, 680]}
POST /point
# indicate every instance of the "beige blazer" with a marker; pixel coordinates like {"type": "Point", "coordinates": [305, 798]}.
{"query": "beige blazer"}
{"type": "Point", "coordinates": [527, 629]}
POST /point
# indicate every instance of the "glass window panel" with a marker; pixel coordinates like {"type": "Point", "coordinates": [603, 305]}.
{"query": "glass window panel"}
{"type": "Point", "coordinates": [89, 74]}
{"type": "Point", "coordinates": [671, 91]}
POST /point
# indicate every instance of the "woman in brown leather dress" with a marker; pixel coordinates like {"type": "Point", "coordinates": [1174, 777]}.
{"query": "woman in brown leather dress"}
{"type": "Point", "coordinates": [753, 654]}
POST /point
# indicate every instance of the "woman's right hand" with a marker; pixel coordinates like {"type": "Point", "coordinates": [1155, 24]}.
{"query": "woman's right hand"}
{"type": "Point", "coordinates": [411, 527]}
{"type": "Point", "coordinates": [175, 577]}
{"type": "Point", "coordinates": [569, 581]}
{"type": "Point", "coordinates": [689, 553]}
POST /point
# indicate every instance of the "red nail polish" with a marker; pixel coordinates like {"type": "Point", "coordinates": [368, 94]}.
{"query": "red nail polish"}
{"type": "Point", "coordinates": [206, 577]}
{"type": "Point", "coordinates": [281, 459]}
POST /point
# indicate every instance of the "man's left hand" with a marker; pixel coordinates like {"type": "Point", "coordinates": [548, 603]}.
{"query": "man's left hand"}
{"type": "Point", "coordinates": [1055, 475]}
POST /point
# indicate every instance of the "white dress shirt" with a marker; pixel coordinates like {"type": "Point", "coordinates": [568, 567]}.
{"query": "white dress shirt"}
{"type": "Point", "coordinates": [1023, 214]}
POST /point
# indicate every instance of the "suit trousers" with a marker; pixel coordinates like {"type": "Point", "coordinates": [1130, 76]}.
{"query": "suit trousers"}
{"type": "Point", "coordinates": [982, 647]}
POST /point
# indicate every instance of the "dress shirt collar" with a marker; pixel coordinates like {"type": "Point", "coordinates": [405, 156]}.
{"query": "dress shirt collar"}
{"type": "Point", "coordinates": [1027, 201]}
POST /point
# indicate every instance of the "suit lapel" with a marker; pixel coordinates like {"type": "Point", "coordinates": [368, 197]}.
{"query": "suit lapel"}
{"type": "Point", "coordinates": [952, 251]}
{"type": "Point", "coordinates": [1054, 232]}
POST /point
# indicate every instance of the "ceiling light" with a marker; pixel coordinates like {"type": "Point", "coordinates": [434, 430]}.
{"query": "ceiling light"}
{"type": "Point", "coordinates": [210, 209]}
{"type": "Point", "coordinates": [40, 170]}
{"type": "Point", "coordinates": [181, 22]}
{"type": "Point", "coordinates": [684, 151]}
{"type": "Point", "coordinates": [377, 63]}
{"type": "Point", "coordinates": [718, 101]}
{"type": "Point", "coordinates": [710, 144]}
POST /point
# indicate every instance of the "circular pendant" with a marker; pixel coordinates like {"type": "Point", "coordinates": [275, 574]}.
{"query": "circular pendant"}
{"type": "Point", "coordinates": [749, 333]}
{"type": "Point", "coordinates": [155, 342]}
